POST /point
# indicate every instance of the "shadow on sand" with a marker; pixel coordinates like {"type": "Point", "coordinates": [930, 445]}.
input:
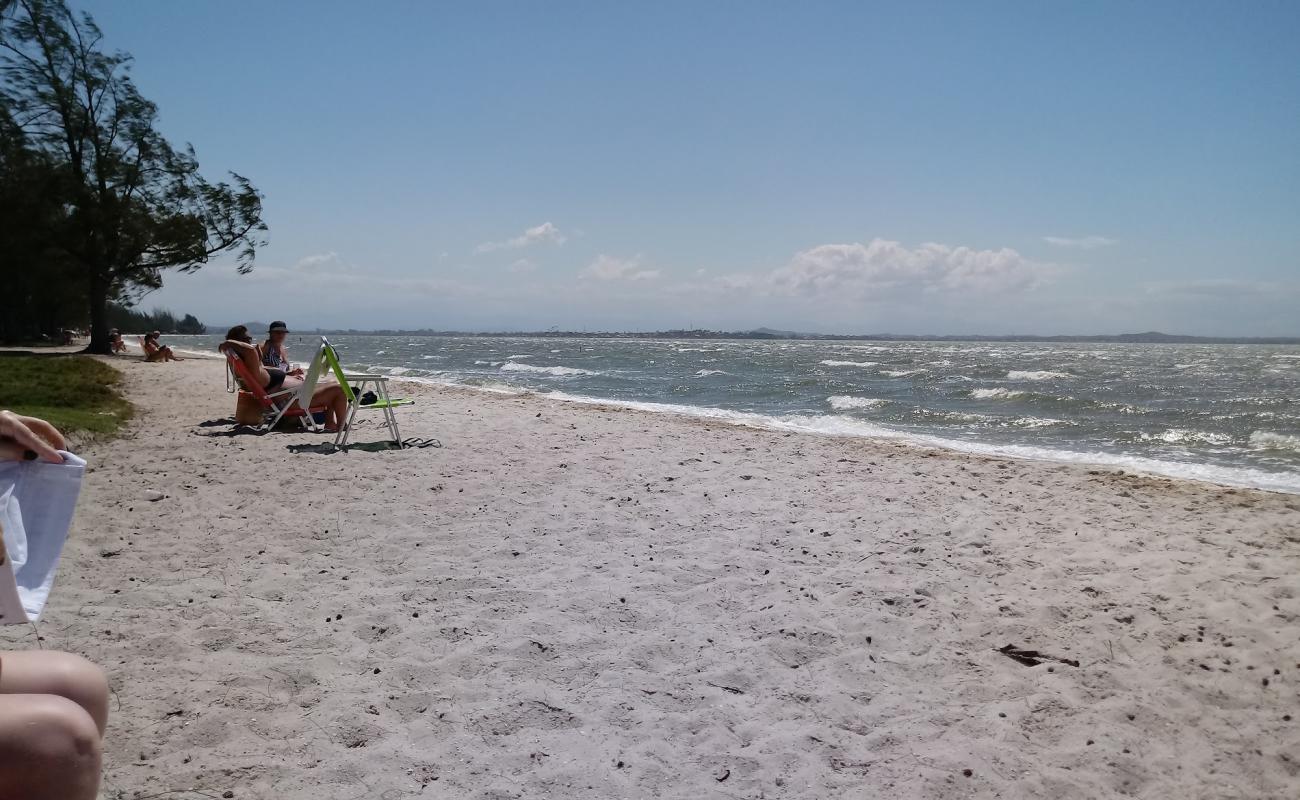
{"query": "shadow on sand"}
{"type": "Point", "coordinates": [328, 448]}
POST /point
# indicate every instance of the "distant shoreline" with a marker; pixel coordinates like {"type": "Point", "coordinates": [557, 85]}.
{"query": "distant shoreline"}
{"type": "Point", "coordinates": [1150, 337]}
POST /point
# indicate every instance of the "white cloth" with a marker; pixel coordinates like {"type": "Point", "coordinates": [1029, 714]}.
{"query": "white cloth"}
{"type": "Point", "coordinates": [37, 499]}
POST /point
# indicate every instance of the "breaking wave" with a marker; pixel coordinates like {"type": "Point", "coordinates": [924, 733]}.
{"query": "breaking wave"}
{"type": "Point", "coordinates": [844, 402]}
{"type": "Point", "coordinates": [559, 372]}
{"type": "Point", "coordinates": [996, 394]}
{"type": "Point", "coordinates": [1268, 440]}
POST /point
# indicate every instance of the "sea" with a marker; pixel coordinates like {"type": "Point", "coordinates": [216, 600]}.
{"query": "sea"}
{"type": "Point", "coordinates": [1228, 414]}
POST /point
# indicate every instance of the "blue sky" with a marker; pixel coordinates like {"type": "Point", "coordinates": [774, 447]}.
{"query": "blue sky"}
{"type": "Point", "coordinates": [850, 167]}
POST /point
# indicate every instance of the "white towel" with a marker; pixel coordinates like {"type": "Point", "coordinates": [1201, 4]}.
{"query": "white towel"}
{"type": "Point", "coordinates": [37, 499]}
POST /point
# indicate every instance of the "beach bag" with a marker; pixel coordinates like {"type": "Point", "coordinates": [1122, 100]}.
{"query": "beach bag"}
{"type": "Point", "coordinates": [248, 411]}
{"type": "Point", "coordinates": [37, 499]}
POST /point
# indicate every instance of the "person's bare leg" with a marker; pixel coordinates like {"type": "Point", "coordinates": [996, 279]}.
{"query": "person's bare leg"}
{"type": "Point", "coordinates": [336, 406]}
{"type": "Point", "coordinates": [49, 748]}
{"type": "Point", "coordinates": [62, 674]}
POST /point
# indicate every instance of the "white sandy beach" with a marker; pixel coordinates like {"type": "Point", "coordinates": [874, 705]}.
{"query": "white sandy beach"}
{"type": "Point", "coordinates": [571, 601]}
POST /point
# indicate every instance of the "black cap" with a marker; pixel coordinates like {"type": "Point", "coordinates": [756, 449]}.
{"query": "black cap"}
{"type": "Point", "coordinates": [278, 325]}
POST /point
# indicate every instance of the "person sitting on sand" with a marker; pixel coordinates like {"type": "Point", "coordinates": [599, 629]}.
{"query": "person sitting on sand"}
{"type": "Point", "coordinates": [115, 342]}
{"type": "Point", "coordinates": [239, 342]}
{"type": "Point", "coordinates": [154, 350]}
{"type": "Point", "coordinates": [53, 706]}
{"type": "Point", "coordinates": [274, 352]}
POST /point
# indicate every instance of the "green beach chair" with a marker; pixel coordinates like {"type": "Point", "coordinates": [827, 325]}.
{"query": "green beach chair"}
{"type": "Point", "coordinates": [384, 403]}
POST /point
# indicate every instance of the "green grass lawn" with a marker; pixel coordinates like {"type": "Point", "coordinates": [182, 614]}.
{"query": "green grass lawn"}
{"type": "Point", "coordinates": [76, 394]}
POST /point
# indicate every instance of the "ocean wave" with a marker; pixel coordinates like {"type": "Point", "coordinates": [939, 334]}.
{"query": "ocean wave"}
{"type": "Point", "coordinates": [1186, 436]}
{"type": "Point", "coordinates": [480, 363]}
{"type": "Point", "coordinates": [1268, 440]}
{"type": "Point", "coordinates": [426, 358]}
{"type": "Point", "coordinates": [902, 373]}
{"type": "Point", "coordinates": [559, 372]}
{"type": "Point", "coordinates": [844, 402]}
{"type": "Point", "coordinates": [1036, 375]}
{"type": "Point", "coordinates": [704, 373]}
{"type": "Point", "coordinates": [1038, 422]}
{"type": "Point", "coordinates": [996, 394]}
{"type": "Point", "coordinates": [850, 363]}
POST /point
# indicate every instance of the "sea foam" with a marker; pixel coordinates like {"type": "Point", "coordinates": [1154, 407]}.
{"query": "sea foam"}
{"type": "Point", "coordinates": [850, 363]}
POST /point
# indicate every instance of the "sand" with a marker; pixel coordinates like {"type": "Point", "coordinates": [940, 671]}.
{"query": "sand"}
{"type": "Point", "coordinates": [570, 601]}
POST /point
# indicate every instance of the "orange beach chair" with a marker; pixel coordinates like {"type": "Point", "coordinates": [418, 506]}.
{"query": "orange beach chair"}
{"type": "Point", "coordinates": [275, 405]}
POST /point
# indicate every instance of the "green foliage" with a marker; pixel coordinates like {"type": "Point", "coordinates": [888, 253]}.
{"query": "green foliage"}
{"type": "Point", "coordinates": [123, 203]}
{"type": "Point", "coordinates": [129, 320]}
{"type": "Point", "coordinates": [73, 393]}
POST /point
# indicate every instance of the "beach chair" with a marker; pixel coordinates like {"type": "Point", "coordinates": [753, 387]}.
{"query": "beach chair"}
{"type": "Point", "coordinates": [283, 403]}
{"type": "Point", "coordinates": [384, 402]}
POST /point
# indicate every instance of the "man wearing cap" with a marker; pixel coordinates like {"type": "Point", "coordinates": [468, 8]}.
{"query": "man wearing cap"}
{"type": "Point", "coordinates": [273, 349]}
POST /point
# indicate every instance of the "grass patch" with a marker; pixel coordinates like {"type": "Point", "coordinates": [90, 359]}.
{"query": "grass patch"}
{"type": "Point", "coordinates": [75, 394]}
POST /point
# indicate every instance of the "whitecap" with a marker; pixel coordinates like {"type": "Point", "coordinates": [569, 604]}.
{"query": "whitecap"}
{"type": "Point", "coordinates": [704, 373]}
{"type": "Point", "coordinates": [488, 363]}
{"type": "Point", "coordinates": [560, 372]}
{"type": "Point", "coordinates": [996, 394]}
{"type": "Point", "coordinates": [1268, 440]}
{"type": "Point", "coordinates": [1038, 422]}
{"type": "Point", "coordinates": [1186, 436]}
{"type": "Point", "coordinates": [850, 363]}
{"type": "Point", "coordinates": [1035, 375]}
{"type": "Point", "coordinates": [844, 402]}
{"type": "Point", "coordinates": [901, 373]}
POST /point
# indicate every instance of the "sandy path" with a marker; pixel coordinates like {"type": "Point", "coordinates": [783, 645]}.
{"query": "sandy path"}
{"type": "Point", "coordinates": [577, 602]}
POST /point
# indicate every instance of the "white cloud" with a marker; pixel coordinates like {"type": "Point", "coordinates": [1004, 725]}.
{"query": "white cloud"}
{"type": "Point", "coordinates": [883, 266]}
{"type": "Point", "coordinates": [522, 265]}
{"type": "Point", "coordinates": [319, 262]}
{"type": "Point", "coordinates": [1080, 242]}
{"type": "Point", "coordinates": [608, 268]}
{"type": "Point", "coordinates": [546, 233]}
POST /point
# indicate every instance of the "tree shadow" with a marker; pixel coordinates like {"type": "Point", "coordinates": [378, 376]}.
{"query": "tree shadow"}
{"type": "Point", "coordinates": [328, 448]}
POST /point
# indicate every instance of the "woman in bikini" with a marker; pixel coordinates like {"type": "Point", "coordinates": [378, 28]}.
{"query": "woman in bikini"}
{"type": "Point", "coordinates": [273, 379]}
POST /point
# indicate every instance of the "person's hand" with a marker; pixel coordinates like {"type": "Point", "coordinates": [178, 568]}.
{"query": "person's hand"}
{"type": "Point", "coordinates": [297, 372]}
{"type": "Point", "coordinates": [21, 435]}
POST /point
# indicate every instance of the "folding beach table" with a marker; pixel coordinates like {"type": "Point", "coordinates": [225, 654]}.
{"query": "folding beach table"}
{"type": "Point", "coordinates": [362, 379]}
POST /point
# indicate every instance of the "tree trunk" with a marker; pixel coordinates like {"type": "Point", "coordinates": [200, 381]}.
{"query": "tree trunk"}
{"type": "Point", "coordinates": [99, 313]}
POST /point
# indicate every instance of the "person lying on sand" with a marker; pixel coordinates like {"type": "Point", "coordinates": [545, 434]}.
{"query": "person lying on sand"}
{"type": "Point", "coordinates": [53, 706]}
{"type": "Point", "coordinates": [239, 342]}
{"type": "Point", "coordinates": [274, 352]}
{"type": "Point", "coordinates": [154, 351]}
